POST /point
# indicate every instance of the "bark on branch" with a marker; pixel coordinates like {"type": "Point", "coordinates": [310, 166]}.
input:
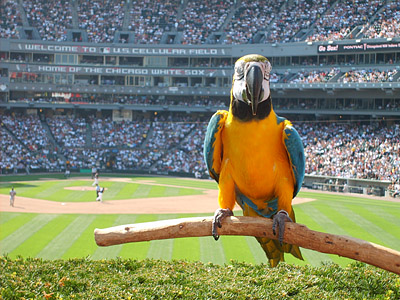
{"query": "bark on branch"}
{"type": "Point", "coordinates": [298, 234]}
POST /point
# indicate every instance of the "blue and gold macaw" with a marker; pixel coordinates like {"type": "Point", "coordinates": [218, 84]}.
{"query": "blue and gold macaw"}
{"type": "Point", "coordinates": [256, 157]}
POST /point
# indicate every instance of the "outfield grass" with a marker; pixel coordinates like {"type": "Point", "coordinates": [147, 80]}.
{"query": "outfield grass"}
{"type": "Point", "coordinates": [55, 236]}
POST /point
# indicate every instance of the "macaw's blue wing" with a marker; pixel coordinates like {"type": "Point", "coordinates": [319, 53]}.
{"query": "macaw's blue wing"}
{"type": "Point", "coordinates": [213, 144]}
{"type": "Point", "coordinates": [295, 150]}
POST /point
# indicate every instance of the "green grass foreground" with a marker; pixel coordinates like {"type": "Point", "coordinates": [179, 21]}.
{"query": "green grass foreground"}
{"type": "Point", "coordinates": [159, 279]}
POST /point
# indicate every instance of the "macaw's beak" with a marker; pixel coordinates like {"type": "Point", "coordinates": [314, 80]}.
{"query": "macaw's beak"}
{"type": "Point", "coordinates": [254, 90]}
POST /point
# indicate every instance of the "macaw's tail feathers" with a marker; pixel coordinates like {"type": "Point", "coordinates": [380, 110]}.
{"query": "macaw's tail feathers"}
{"type": "Point", "coordinates": [272, 248]}
{"type": "Point", "coordinates": [275, 252]}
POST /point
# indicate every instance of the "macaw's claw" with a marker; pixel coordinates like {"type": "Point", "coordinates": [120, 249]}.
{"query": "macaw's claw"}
{"type": "Point", "coordinates": [219, 215]}
{"type": "Point", "coordinates": [279, 219]}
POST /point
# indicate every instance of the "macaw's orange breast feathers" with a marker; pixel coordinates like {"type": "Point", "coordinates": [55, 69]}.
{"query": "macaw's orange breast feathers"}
{"type": "Point", "coordinates": [213, 143]}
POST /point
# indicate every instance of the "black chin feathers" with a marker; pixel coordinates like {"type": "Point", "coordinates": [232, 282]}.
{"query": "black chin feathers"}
{"type": "Point", "coordinates": [243, 112]}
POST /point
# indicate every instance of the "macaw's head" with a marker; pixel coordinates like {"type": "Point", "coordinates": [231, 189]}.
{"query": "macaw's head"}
{"type": "Point", "coordinates": [250, 94]}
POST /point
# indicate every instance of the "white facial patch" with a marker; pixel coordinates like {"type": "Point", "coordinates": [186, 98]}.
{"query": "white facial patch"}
{"type": "Point", "coordinates": [239, 84]}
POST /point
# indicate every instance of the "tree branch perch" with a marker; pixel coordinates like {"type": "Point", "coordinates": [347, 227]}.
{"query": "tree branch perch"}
{"type": "Point", "coordinates": [297, 234]}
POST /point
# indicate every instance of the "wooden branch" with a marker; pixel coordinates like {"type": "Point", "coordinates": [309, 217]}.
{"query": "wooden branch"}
{"type": "Point", "coordinates": [297, 234]}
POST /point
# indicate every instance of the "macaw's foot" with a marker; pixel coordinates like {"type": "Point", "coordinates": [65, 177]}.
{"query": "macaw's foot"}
{"type": "Point", "coordinates": [279, 219]}
{"type": "Point", "coordinates": [219, 215]}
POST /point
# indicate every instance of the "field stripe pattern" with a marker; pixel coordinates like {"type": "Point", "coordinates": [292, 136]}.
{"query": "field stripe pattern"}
{"type": "Point", "coordinates": [53, 236]}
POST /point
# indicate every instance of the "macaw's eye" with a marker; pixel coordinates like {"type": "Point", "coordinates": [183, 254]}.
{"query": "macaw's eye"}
{"type": "Point", "coordinates": [266, 76]}
{"type": "Point", "coordinates": [239, 73]}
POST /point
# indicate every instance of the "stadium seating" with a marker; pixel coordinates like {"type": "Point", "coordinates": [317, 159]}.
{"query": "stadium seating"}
{"type": "Point", "coordinates": [172, 142]}
{"type": "Point", "coordinates": [273, 21]}
{"type": "Point", "coordinates": [348, 150]}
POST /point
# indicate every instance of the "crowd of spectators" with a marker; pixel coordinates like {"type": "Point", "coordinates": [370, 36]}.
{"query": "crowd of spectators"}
{"type": "Point", "coordinates": [108, 133]}
{"type": "Point", "coordinates": [249, 18]}
{"type": "Point", "coordinates": [373, 75]}
{"type": "Point", "coordinates": [295, 16]}
{"type": "Point", "coordinates": [28, 130]}
{"type": "Point", "coordinates": [341, 19]}
{"type": "Point", "coordinates": [12, 154]}
{"type": "Point", "coordinates": [352, 150]}
{"type": "Point", "coordinates": [315, 76]}
{"type": "Point", "coordinates": [68, 131]}
{"type": "Point", "coordinates": [150, 19]}
{"type": "Point", "coordinates": [276, 21]}
{"type": "Point", "coordinates": [51, 18]}
{"type": "Point", "coordinates": [200, 19]}
{"type": "Point", "coordinates": [10, 18]}
{"type": "Point", "coordinates": [387, 24]}
{"type": "Point", "coordinates": [174, 144]}
{"type": "Point", "coordinates": [101, 19]}
{"type": "Point", "coordinates": [25, 144]}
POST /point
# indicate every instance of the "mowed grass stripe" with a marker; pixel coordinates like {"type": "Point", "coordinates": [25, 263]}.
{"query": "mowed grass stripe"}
{"type": "Point", "coordinates": [172, 192]}
{"type": "Point", "coordinates": [186, 248]}
{"type": "Point", "coordinates": [14, 224]}
{"type": "Point", "coordinates": [36, 242]}
{"type": "Point", "coordinates": [345, 220]}
{"type": "Point", "coordinates": [85, 244]}
{"type": "Point", "coordinates": [156, 191]}
{"type": "Point", "coordinates": [375, 225]}
{"type": "Point", "coordinates": [138, 250]}
{"type": "Point", "coordinates": [127, 191]}
{"type": "Point", "coordinates": [189, 192]}
{"type": "Point", "coordinates": [142, 191]}
{"type": "Point", "coordinates": [257, 252]}
{"type": "Point", "coordinates": [63, 195]}
{"type": "Point", "coordinates": [391, 217]}
{"type": "Point", "coordinates": [236, 248]}
{"type": "Point", "coordinates": [357, 228]}
{"type": "Point", "coordinates": [32, 189]}
{"type": "Point", "coordinates": [211, 250]}
{"type": "Point", "coordinates": [162, 249]}
{"type": "Point", "coordinates": [112, 251]}
{"type": "Point", "coordinates": [112, 190]}
{"type": "Point", "coordinates": [387, 215]}
{"type": "Point", "coordinates": [183, 182]}
{"type": "Point", "coordinates": [53, 187]}
{"type": "Point", "coordinates": [305, 215]}
{"type": "Point", "coordinates": [60, 244]}
{"type": "Point", "coordinates": [13, 240]}
{"type": "Point", "coordinates": [5, 217]}
{"type": "Point", "coordinates": [325, 218]}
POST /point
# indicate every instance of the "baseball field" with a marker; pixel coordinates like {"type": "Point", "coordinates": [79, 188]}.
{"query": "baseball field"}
{"type": "Point", "coordinates": [54, 217]}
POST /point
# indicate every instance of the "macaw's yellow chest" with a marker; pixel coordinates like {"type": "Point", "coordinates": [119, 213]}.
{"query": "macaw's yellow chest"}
{"type": "Point", "coordinates": [256, 156]}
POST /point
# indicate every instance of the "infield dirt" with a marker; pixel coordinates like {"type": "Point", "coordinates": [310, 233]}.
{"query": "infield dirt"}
{"type": "Point", "coordinates": [204, 203]}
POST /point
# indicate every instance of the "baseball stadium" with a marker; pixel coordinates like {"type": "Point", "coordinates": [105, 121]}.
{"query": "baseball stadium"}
{"type": "Point", "coordinates": [119, 96]}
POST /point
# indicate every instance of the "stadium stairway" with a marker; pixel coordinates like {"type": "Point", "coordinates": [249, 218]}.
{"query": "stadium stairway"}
{"type": "Point", "coordinates": [21, 10]}
{"type": "Point", "coordinates": [148, 138]}
{"type": "Point", "coordinates": [88, 137]}
{"type": "Point", "coordinates": [127, 19]}
{"type": "Point", "coordinates": [17, 140]}
{"type": "Point", "coordinates": [74, 13]}
{"type": "Point", "coordinates": [336, 77]}
{"type": "Point", "coordinates": [178, 146]}
{"type": "Point", "coordinates": [330, 9]}
{"type": "Point", "coordinates": [52, 140]}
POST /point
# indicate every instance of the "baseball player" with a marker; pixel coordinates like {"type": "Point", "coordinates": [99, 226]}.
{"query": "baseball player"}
{"type": "Point", "coordinates": [12, 196]}
{"type": "Point", "coordinates": [96, 179]}
{"type": "Point", "coordinates": [100, 196]}
{"type": "Point", "coordinates": [97, 190]}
